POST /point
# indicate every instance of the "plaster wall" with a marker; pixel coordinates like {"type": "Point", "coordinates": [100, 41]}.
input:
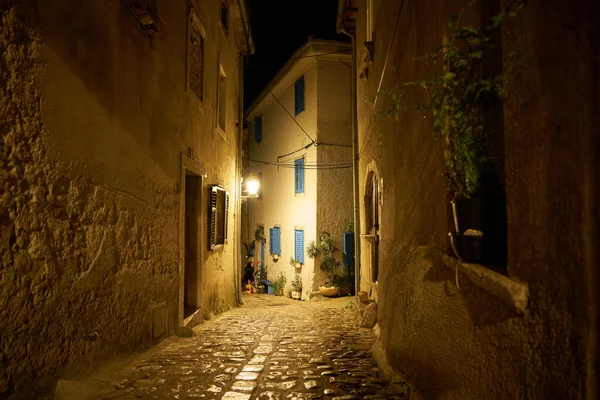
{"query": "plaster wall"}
{"type": "Point", "coordinates": [280, 205]}
{"type": "Point", "coordinates": [334, 190]}
{"type": "Point", "coordinates": [465, 343]}
{"type": "Point", "coordinates": [94, 118]}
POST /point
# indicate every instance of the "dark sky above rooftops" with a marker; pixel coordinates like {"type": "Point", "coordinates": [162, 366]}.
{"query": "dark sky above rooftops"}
{"type": "Point", "coordinates": [279, 28]}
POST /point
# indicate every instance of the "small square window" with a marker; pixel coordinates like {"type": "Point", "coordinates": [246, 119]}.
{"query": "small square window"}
{"type": "Point", "coordinates": [258, 129]}
{"type": "Point", "coordinates": [299, 95]}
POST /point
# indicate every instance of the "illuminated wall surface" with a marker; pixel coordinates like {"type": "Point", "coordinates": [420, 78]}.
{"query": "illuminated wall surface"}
{"type": "Point", "coordinates": [95, 117]}
{"type": "Point", "coordinates": [325, 204]}
{"type": "Point", "coordinates": [468, 343]}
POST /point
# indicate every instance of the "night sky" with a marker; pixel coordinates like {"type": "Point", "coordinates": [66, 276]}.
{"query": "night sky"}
{"type": "Point", "coordinates": [279, 28]}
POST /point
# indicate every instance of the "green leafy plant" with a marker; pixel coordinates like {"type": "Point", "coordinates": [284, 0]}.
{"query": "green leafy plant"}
{"type": "Point", "coordinates": [325, 248]}
{"type": "Point", "coordinates": [349, 227]}
{"type": "Point", "coordinates": [297, 283]}
{"type": "Point", "coordinates": [312, 250]}
{"type": "Point", "coordinates": [279, 284]}
{"type": "Point", "coordinates": [457, 93]}
{"type": "Point", "coordinates": [259, 233]}
{"type": "Point", "coordinates": [293, 262]}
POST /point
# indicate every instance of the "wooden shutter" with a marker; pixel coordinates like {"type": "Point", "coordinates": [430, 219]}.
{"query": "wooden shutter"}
{"type": "Point", "coordinates": [277, 240]}
{"type": "Point", "coordinates": [299, 175]}
{"type": "Point", "coordinates": [299, 245]}
{"type": "Point", "coordinates": [212, 227]}
{"type": "Point", "coordinates": [348, 249]}
{"type": "Point", "coordinates": [226, 217]}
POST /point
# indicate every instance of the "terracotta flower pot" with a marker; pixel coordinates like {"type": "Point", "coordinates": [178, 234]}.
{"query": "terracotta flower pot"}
{"type": "Point", "coordinates": [329, 291]}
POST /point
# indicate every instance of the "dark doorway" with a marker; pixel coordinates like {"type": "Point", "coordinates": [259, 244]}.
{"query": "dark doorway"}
{"type": "Point", "coordinates": [191, 287]}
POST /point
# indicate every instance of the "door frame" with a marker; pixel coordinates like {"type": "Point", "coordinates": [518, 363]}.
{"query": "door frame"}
{"type": "Point", "coordinates": [188, 165]}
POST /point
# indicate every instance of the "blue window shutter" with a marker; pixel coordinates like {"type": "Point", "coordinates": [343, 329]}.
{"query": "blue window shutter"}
{"type": "Point", "coordinates": [348, 249]}
{"type": "Point", "coordinates": [299, 245]}
{"type": "Point", "coordinates": [258, 129]}
{"type": "Point", "coordinates": [299, 175]}
{"type": "Point", "coordinates": [277, 241]}
{"type": "Point", "coordinates": [299, 95]}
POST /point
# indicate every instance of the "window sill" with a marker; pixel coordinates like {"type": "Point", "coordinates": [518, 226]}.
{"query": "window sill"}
{"type": "Point", "coordinates": [513, 293]}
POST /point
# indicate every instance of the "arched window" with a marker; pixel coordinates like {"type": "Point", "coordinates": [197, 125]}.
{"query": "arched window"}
{"type": "Point", "coordinates": [372, 204]}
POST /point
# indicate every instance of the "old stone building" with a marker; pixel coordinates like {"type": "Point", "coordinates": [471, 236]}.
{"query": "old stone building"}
{"type": "Point", "coordinates": [120, 123]}
{"type": "Point", "coordinates": [461, 330]}
{"type": "Point", "coordinates": [299, 143]}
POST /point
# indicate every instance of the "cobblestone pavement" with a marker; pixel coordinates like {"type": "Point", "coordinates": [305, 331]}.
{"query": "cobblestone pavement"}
{"type": "Point", "coordinates": [272, 348]}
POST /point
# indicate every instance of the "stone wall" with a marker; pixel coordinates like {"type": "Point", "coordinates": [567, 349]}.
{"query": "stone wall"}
{"type": "Point", "coordinates": [451, 342]}
{"type": "Point", "coordinates": [94, 117]}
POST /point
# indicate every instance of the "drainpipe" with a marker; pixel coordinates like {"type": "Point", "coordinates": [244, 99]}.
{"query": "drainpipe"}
{"type": "Point", "coordinates": [355, 172]}
{"type": "Point", "coordinates": [238, 181]}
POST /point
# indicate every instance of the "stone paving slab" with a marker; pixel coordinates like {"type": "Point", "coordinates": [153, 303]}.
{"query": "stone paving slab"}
{"type": "Point", "coordinates": [272, 348]}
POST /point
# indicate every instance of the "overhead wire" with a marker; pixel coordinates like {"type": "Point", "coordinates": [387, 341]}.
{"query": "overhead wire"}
{"type": "Point", "coordinates": [309, 166]}
{"type": "Point", "coordinates": [294, 119]}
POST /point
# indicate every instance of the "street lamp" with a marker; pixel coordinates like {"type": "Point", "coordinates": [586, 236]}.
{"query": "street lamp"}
{"type": "Point", "coordinates": [250, 187]}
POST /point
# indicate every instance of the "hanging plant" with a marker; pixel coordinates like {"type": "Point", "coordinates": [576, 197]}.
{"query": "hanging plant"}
{"type": "Point", "coordinates": [457, 93]}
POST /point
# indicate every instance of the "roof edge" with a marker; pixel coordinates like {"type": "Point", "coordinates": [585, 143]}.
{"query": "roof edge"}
{"type": "Point", "coordinates": [288, 66]}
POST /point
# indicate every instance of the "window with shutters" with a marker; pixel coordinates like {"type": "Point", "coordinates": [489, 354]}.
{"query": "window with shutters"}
{"type": "Point", "coordinates": [275, 240]}
{"type": "Point", "coordinates": [258, 129]}
{"type": "Point", "coordinates": [299, 175]}
{"type": "Point", "coordinates": [299, 245]}
{"type": "Point", "coordinates": [196, 39]}
{"type": "Point", "coordinates": [219, 212]}
{"type": "Point", "coordinates": [299, 95]}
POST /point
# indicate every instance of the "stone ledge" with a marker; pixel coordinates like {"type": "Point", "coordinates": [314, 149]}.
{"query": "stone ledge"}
{"type": "Point", "coordinates": [513, 293]}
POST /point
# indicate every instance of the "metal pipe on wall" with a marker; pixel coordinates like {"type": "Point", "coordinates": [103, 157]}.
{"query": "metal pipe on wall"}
{"type": "Point", "coordinates": [355, 172]}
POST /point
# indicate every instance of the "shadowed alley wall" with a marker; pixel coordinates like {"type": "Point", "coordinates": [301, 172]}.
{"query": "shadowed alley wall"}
{"type": "Point", "coordinates": [467, 344]}
{"type": "Point", "coordinates": [94, 119]}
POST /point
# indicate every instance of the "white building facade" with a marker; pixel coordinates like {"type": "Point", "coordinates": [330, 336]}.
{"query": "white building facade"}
{"type": "Point", "coordinates": [300, 146]}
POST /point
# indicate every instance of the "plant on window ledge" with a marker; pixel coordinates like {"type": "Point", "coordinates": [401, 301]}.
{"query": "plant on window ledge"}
{"type": "Point", "coordinates": [259, 233]}
{"type": "Point", "coordinates": [295, 263]}
{"type": "Point", "coordinates": [458, 94]}
{"type": "Point", "coordinates": [275, 256]}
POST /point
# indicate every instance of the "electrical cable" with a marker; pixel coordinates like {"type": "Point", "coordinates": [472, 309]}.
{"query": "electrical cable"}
{"type": "Point", "coordinates": [294, 119]}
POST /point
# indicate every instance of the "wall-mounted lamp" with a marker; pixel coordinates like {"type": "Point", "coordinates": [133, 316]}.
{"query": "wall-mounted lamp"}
{"type": "Point", "coordinates": [250, 187]}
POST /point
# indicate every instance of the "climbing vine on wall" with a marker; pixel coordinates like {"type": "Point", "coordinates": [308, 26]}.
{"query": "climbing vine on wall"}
{"type": "Point", "coordinates": [456, 93]}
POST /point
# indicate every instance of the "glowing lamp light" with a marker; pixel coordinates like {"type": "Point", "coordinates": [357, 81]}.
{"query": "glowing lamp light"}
{"type": "Point", "coordinates": [252, 184]}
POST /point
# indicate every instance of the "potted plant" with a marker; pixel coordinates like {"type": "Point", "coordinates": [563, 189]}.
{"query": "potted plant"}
{"type": "Point", "coordinates": [295, 263]}
{"type": "Point", "coordinates": [325, 249]}
{"type": "Point", "coordinates": [297, 287]}
{"type": "Point", "coordinates": [279, 284]}
{"type": "Point", "coordinates": [459, 95]}
{"type": "Point", "coordinates": [275, 256]}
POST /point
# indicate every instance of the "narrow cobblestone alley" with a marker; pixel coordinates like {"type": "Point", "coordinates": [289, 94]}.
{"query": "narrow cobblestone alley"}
{"type": "Point", "coordinates": [271, 348]}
